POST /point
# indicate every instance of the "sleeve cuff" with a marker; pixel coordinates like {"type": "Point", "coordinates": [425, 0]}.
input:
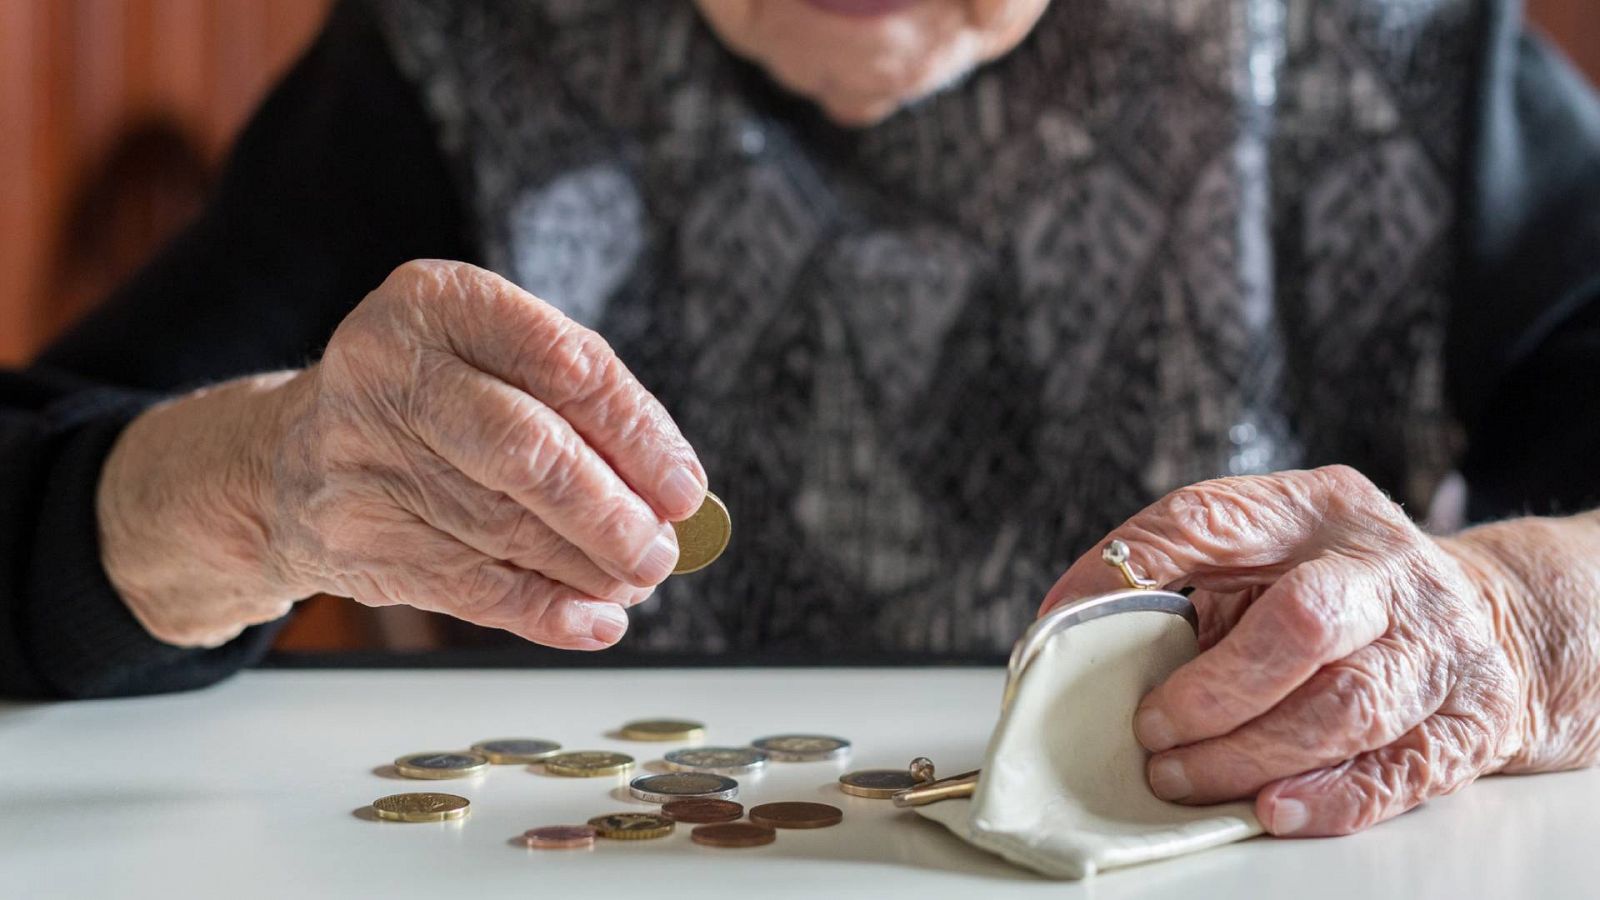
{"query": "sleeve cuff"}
{"type": "Point", "coordinates": [83, 640]}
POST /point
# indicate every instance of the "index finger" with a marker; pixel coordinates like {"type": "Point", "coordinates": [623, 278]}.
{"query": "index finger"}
{"type": "Point", "coordinates": [1293, 531]}
{"type": "Point", "coordinates": [1320, 612]}
{"type": "Point", "coordinates": [513, 335]}
{"type": "Point", "coordinates": [1226, 534]}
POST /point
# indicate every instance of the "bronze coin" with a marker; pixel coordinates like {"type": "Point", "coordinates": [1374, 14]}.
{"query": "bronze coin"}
{"type": "Point", "coordinates": [732, 834]}
{"type": "Point", "coordinates": [560, 837]}
{"type": "Point", "coordinates": [702, 810]}
{"type": "Point", "coordinates": [796, 815]}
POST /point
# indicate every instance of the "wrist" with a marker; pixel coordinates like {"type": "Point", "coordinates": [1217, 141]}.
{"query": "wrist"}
{"type": "Point", "coordinates": [186, 514]}
{"type": "Point", "coordinates": [1539, 578]}
{"type": "Point", "coordinates": [1481, 555]}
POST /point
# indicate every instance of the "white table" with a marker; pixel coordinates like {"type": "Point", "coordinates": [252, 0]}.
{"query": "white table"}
{"type": "Point", "coordinates": [258, 788]}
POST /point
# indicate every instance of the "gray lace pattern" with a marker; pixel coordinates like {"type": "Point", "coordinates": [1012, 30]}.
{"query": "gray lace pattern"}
{"type": "Point", "coordinates": [929, 364]}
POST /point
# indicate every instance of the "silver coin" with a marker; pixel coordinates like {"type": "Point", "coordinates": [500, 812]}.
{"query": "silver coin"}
{"type": "Point", "coordinates": [682, 785]}
{"type": "Point", "coordinates": [717, 760]}
{"type": "Point", "coordinates": [802, 747]}
{"type": "Point", "coordinates": [505, 751]}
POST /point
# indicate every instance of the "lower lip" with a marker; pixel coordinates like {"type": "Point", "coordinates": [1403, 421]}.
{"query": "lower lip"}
{"type": "Point", "coordinates": [862, 8]}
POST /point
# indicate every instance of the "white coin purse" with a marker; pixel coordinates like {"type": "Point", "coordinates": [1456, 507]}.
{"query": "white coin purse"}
{"type": "Point", "coordinates": [1062, 790]}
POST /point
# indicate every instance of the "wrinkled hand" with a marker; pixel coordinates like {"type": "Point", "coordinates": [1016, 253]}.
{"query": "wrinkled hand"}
{"type": "Point", "coordinates": [463, 447]}
{"type": "Point", "coordinates": [1351, 666]}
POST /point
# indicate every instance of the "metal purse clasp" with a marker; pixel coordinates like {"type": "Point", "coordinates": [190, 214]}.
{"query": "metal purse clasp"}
{"type": "Point", "coordinates": [1140, 596]}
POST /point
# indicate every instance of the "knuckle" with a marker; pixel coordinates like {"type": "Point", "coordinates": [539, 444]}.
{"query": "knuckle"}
{"type": "Point", "coordinates": [537, 460]}
{"type": "Point", "coordinates": [511, 532]}
{"type": "Point", "coordinates": [1347, 494]}
{"type": "Point", "coordinates": [1203, 698]}
{"type": "Point", "coordinates": [1209, 509]}
{"type": "Point", "coordinates": [559, 621]}
{"type": "Point", "coordinates": [1351, 705]}
{"type": "Point", "coordinates": [1340, 478]}
{"type": "Point", "coordinates": [415, 282]}
{"type": "Point", "coordinates": [577, 364]}
{"type": "Point", "coordinates": [616, 535]}
{"type": "Point", "coordinates": [487, 592]}
{"type": "Point", "coordinates": [499, 596]}
{"type": "Point", "coordinates": [413, 271]}
{"type": "Point", "coordinates": [1303, 620]}
{"type": "Point", "coordinates": [1366, 805]}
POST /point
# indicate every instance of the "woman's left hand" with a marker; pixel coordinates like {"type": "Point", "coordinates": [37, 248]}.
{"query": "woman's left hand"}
{"type": "Point", "coordinates": [1351, 668]}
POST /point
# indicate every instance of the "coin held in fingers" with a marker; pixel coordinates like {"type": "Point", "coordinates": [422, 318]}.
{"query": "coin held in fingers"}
{"type": "Point", "coordinates": [703, 536]}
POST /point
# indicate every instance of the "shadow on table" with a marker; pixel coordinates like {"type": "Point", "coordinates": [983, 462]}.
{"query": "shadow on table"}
{"type": "Point", "coordinates": [21, 715]}
{"type": "Point", "coordinates": [906, 841]}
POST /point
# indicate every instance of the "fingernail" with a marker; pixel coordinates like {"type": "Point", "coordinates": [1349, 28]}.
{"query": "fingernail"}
{"type": "Point", "coordinates": [660, 559]}
{"type": "Point", "coordinates": [609, 624]}
{"type": "Point", "coordinates": [1154, 731]}
{"type": "Point", "coordinates": [680, 490]}
{"type": "Point", "coordinates": [1288, 816]}
{"type": "Point", "coordinates": [1168, 781]}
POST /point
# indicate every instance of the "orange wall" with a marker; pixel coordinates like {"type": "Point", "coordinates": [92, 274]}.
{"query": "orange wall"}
{"type": "Point", "coordinates": [74, 72]}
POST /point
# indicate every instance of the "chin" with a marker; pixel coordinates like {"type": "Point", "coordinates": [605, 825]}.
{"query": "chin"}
{"type": "Point", "coordinates": [849, 99]}
{"type": "Point", "coordinates": [864, 112]}
{"type": "Point", "coordinates": [858, 70]}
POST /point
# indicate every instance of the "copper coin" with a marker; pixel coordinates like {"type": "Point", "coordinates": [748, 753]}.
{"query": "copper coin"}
{"type": "Point", "coordinates": [560, 837]}
{"type": "Point", "coordinates": [702, 810]}
{"type": "Point", "coordinates": [796, 815]}
{"type": "Point", "coordinates": [733, 834]}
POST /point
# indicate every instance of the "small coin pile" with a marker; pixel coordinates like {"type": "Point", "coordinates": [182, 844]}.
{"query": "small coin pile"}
{"type": "Point", "coordinates": [699, 789]}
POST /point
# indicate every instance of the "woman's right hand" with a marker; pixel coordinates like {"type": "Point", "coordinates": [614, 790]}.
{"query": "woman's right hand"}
{"type": "Point", "coordinates": [462, 447]}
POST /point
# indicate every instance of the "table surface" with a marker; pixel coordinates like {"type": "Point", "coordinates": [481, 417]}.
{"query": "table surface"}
{"type": "Point", "coordinates": [259, 788]}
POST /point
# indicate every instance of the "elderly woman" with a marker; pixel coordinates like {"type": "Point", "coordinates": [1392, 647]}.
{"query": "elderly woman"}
{"type": "Point", "coordinates": [936, 292]}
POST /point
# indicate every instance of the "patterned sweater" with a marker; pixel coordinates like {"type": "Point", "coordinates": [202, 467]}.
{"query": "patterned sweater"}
{"type": "Point", "coordinates": [927, 363]}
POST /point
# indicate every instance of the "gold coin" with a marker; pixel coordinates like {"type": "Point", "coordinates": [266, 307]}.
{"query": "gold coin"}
{"type": "Point", "coordinates": [421, 807]}
{"type": "Point", "coordinates": [588, 763]}
{"type": "Point", "coordinates": [703, 536]}
{"type": "Point", "coordinates": [663, 730]}
{"type": "Point", "coordinates": [877, 784]}
{"type": "Point", "coordinates": [632, 826]}
{"type": "Point", "coordinates": [441, 764]}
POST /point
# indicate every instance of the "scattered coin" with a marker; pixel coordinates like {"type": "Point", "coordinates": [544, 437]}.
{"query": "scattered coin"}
{"type": "Point", "coordinates": [632, 826]}
{"type": "Point", "coordinates": [663, 730]}
{"type": "Point", "coordinates": [422, 807]}
{"type": "Point", "coordinates": [703, 536]}
{"type": "Point", "coordinates": [588, 763]}
{"type": "Point", "coordinates": [678, 785]}
{"type": "Point", "coordinates": [796, 815]}
{"type": "Point", "coordinates": [508, 751]}
{"type": "Point", "coordinates": [802, 747]}
{"type": "Point", "coordinates": [733, 834]}
{"type": "Point", "coordinates": [717, 760]}
{"type": "Point", "coordinates": [699, 811]}
{"type": "Point", "coordinates": [877, 784]}
{"type": "Point", "coordinates": [441, 765]}
{"type": "Point", "coordinates": [560, 837]}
